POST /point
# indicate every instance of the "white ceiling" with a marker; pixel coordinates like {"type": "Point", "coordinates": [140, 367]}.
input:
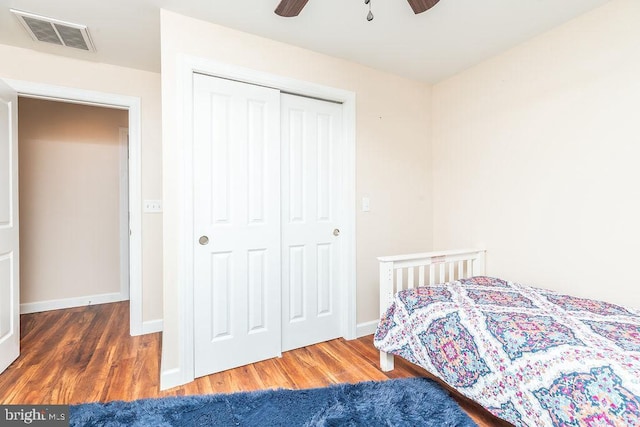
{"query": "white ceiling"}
{"type": "Point", "coordinates": [452, 36]}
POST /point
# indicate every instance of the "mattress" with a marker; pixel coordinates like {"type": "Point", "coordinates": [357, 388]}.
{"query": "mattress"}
{"type": "Point", "coordinates": [530, 356]}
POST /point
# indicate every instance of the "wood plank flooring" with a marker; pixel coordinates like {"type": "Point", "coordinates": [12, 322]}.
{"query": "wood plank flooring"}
{"type": "Point", "coordinates": [86, 355]}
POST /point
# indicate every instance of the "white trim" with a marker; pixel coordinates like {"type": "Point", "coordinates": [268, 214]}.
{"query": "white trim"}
{"type": "Point", "coordinates": [171, 378]}
{"type": "Point", "coordinates": [132, 104]}
{"type": "Point", "coordinates": [349, 192]}
{"type": "Point", "coordinates": [187, 66]}
{"type": "Point", "coordinates": [186, 368]}
{"type": "Point", "coordinates": [58, 304]}
{"type": "Point", "coordinates": [135, 218]}
{"type": "Point", "coordinates": [152, 326]}
{"type": "Point", "coordinates": [123, 134]}
{"type": "Point", "coordinates": [367, 328]}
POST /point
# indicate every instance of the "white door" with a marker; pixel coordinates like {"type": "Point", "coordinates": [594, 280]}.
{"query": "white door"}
{"type": "Point", "coordinates": [236, 224]}
{"type": "Point", "coordinates": [9, 238]}
{"type": "Point", "coordinates": [311, 182]}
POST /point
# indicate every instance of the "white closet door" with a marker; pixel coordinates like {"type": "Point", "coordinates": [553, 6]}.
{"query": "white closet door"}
{"type": "Point", "coordinates": [9, 238]}
{"type": "Point", "coordinates": [311, 130]}
{"type": "Point", "coordinates": [236, 223]}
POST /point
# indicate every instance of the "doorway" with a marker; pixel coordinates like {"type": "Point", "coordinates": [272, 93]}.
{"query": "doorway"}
{"type": "Point", "coordinates": [73, 194]}
{"type": "Point", "coordinates": [132, 106]}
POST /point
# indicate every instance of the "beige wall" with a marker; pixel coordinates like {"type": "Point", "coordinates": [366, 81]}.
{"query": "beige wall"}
{"type": "Point", "coordinates": [536, 157]}
{"type": "Point", "coordinates": [31, 66]}
{"type": "Point", "coordinates": [69, 169]}
{"type": "Point", "coordinates": [392, 156]}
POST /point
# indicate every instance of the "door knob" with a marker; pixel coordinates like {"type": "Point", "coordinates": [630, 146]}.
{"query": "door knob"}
{"type": "Point", "coordinates": [203, 240]}
{"type": "Point", "coordinates": [336, 232]}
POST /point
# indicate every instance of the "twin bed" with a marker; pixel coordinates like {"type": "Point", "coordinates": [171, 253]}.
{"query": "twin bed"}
{"type": "Point", "coordinates": [530, 356]}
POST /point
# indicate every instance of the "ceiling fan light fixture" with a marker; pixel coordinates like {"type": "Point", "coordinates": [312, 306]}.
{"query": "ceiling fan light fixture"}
{"type": "Point", "coordinates": [289, 8]}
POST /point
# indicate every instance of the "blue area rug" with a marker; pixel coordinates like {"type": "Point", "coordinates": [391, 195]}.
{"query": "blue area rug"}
{"type": "Point", "coordinates": [401, 402]}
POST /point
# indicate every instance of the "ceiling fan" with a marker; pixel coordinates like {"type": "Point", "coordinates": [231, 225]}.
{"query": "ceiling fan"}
{"type": "Point", "coordinates": [290, 8]}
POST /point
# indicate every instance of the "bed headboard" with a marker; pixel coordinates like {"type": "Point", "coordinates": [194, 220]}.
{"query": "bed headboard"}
{"type": "Point", "coordinates": [409, 271]}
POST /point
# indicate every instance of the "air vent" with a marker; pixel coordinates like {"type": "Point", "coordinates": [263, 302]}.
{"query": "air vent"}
{"type": "Point", "coordinates": [54, 31]}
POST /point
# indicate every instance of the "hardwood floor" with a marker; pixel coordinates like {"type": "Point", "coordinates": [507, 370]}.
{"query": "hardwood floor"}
{"type": "Point", "coordinates": [86, 355]}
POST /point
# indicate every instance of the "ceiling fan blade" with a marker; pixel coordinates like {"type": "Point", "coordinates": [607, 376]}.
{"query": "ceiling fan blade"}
{"type": "Point", "coordinates": [290, 8]}
{"type": "Point", "coordinates": [420, 6]}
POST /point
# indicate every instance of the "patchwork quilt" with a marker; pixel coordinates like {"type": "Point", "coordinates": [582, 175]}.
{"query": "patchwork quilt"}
{"type": "Point", "coordinates": [530, 356]}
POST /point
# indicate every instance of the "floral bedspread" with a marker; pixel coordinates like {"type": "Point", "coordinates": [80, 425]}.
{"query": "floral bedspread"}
{"type": "Point", "coordinates": [530, 356]}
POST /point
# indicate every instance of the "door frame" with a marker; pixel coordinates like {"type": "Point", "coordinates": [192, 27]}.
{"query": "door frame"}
{"type": "Point", "coordinates": [132, 105]}
{"type": "Point", "coordinates": [123, 136]}
{"type": "Point", "coordinates": [190, 65]}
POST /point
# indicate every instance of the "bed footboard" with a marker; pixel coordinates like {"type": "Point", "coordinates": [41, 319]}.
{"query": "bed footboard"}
{"type": "Point", "coordinates": [423, 269]}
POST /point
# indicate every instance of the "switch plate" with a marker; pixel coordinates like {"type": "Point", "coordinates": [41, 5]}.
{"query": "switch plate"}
{"type": "Point", "coordinates": [365, 204]}
{"type": "Point", "coordinates": [152, 206]}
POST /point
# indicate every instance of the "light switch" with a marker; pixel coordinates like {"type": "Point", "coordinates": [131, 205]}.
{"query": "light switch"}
{"type": "Point", "coordinates": [365, 204]}
{"type": "Point", "coordinates": [152, 206]}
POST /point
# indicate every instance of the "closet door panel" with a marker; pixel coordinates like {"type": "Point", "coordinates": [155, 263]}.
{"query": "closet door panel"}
{"type": "Point", "coordinates": [237, 224]}
{"type": "Point", "coordinates": [311, 131]}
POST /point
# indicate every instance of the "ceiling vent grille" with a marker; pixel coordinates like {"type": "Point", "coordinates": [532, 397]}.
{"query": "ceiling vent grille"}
{"type": "Point", "coordinates": [54, 31]}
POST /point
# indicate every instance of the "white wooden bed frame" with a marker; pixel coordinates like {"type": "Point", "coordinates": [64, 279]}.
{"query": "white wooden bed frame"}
{"type": "Point", "coordinates": [409, 271]}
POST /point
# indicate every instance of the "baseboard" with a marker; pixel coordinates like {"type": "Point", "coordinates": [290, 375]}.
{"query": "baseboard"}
{"type": "Point", "coordinates": [58, 304]}
{"type": "Point", "coordinates": [171, 378]}
{"type": "Point", "coordinates": [152, 326]}
{"type": "Point", "coordinates": [366, 328]}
